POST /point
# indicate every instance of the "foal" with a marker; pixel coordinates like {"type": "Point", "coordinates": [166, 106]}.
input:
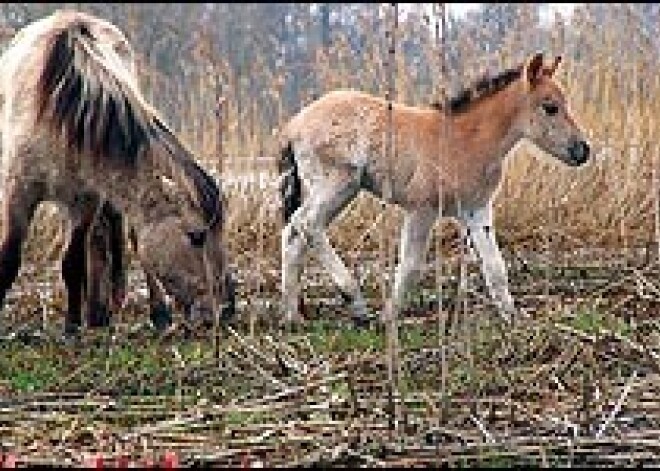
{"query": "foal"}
{"type": "Point", "coordinates": [75, 122]}
{"type": "Point", "coordinates": [335, 147]}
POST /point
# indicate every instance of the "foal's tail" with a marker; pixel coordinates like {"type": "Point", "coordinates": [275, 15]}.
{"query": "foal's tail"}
{"type": "Point", "coordinates": [290, 187]}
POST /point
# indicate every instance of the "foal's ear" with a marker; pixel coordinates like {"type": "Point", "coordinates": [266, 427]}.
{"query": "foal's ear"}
{"type": "Point", "coordinates": [534, 69]}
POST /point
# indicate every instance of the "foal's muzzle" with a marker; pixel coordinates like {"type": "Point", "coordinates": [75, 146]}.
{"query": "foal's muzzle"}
{"type": "Point", "coordinates": [578, 152]}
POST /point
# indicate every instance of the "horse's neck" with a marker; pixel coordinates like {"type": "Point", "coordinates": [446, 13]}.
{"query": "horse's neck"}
{"type": "Point", "coordinates": [153, 201]}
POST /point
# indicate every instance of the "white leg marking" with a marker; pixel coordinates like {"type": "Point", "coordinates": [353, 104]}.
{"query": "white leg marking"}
{"type": "Point", "coordinates": [307, 228]}
{"type": "Point", "coordinates": [414, 238]}
{"type": "Point", "coordinates": [480, 225]}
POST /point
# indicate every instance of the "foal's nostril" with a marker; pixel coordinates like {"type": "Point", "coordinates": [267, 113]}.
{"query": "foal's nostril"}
{"type": "Point", "coordinates": [579, 152]}
{"type": "Point", "coordinates": [584, 150]}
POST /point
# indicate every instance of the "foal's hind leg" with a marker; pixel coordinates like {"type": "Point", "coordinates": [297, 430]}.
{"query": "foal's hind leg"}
{"type": "Point", "coordinates": [307, 227]}
{"type": "Point", "coordinates": [19, 204]}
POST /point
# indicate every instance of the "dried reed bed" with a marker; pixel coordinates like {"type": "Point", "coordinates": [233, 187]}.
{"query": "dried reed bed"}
{"type": "Point", "coordinates": [582, 249]}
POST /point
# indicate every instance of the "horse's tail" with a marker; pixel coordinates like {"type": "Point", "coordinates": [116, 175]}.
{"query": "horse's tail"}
{"type": "Point", "coordinates": [290, 185]}
{"type": "Point", "coordinates": [87, 100]}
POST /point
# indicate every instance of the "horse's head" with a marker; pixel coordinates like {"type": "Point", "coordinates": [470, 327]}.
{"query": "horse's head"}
{"type": "Point", "coordinates": [546, 119]}
{"type": "Point", "coordinates": [183, 256]}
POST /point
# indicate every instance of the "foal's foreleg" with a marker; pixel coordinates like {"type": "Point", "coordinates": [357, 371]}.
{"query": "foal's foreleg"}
{"type": "Point", "coordinates": [480, 226]}
{"type": "Point", "coordinates": [414, 238]}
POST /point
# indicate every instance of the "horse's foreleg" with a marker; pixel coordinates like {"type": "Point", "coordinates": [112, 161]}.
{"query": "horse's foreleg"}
{"type": "Point", "coordinates": [98, 264]}
{"type": "Point", "coordinates": [117, 256]}
{"type": "Point", "coordinates": [161, 311]}
{"type": "Point", "coordinates": [414, 238]}
{"type": "Point", "coordinates": [482, 234]}
{"type": "Point", "coordinates": [19, 205]}
{"type": "Point", "coordinates": [74, 269]}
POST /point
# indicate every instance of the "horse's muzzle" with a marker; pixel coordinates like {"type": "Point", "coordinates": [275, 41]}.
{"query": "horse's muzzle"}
{"type": "Point", "coordinates": [578, 152]}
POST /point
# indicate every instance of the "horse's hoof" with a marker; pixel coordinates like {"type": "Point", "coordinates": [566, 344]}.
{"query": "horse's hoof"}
{"type": "Point", "coordinates": [99, 316]}
{"type": "Point", "coordinates": [291, 327]}
{"type": "Point", "coordinates": [161, 317]}
{"type": "Point", "coordinates": [70, 337]}
{"type": "Point", "coordinates": [29, 337]}
{"type": "Point", "coordinates": [364, 322]}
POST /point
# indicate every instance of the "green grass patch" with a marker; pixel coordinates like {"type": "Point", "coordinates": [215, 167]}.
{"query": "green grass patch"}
{"type": "Point", "coordinates": [592, 321]}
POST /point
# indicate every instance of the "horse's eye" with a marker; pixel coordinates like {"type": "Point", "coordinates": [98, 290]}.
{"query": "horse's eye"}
{"type": "Point", "coordinates": [197, 238]}
{"type": "Point", "coordinates": [550, 108]}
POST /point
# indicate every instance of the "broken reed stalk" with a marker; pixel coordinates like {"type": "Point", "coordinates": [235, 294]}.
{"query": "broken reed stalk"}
{"type": "Point", "coordinates": [392, 333]}
{"type": "Point", "coordinates": [441, 43]}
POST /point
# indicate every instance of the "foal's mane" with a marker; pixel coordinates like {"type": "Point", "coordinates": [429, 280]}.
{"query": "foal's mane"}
{"type": "Point", "coordinates": [479, 89]}
{"type": "Point", "coordinates": [99, 114]}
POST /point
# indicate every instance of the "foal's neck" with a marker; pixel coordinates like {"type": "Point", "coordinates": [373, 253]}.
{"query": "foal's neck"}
{"type": "Point", "coordinates": [491, 122]}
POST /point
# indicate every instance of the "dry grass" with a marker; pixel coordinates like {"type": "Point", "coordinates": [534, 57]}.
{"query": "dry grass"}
{"type": "Point", "coordinates": [571, 238]}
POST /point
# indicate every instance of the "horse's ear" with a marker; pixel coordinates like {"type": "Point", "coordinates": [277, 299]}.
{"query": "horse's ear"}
{"type": "Point", "coordinates": [534, 69]}
{"type": "Point", "coordinates": [554, 66]}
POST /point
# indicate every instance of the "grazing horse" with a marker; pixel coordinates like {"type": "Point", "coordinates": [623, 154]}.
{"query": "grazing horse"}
{"type": "Point", "coordinates": [450, 155]}
{"type": "Point", "coordinates": [75, 123]}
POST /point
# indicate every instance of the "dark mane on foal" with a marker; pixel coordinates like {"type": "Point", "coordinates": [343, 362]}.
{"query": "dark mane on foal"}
{"type": "Point", "coordinates": [481, 88]}
{"type": "Point", "coordinates": [101, 117]}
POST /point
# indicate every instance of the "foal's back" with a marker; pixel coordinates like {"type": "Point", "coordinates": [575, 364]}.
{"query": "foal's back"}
{"type": "Point", "coordinates": [347, 130]}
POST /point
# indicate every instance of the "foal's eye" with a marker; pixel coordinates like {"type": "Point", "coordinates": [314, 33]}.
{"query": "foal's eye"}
{"type": "Point", "coordinates": [550, 108]}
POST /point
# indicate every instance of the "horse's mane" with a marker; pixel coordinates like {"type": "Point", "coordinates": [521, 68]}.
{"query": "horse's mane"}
{"type": "Point", "coordinates": [479, 89]}
{"type": "Point", "coordinates": [99, 114]}
{"type": "Point", "coordinates": [85, 102]}
{"type": "Point", "coordinates": [209, 196]}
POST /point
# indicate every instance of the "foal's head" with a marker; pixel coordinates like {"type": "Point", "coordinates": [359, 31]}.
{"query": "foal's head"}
{"type": "Point", "coordinates": [546, 119]}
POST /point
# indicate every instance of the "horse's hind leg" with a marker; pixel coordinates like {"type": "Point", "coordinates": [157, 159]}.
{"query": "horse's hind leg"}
{"type": "Point", "coordinates": [19, 205]}
{"type": "Point", "coordinates": [307, 227]}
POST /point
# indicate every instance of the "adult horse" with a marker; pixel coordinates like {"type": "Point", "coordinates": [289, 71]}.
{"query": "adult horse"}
{"type": "Point", "coordinates": [335, 147]}
{"type": "Point", "coordinates": [75, 123]}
